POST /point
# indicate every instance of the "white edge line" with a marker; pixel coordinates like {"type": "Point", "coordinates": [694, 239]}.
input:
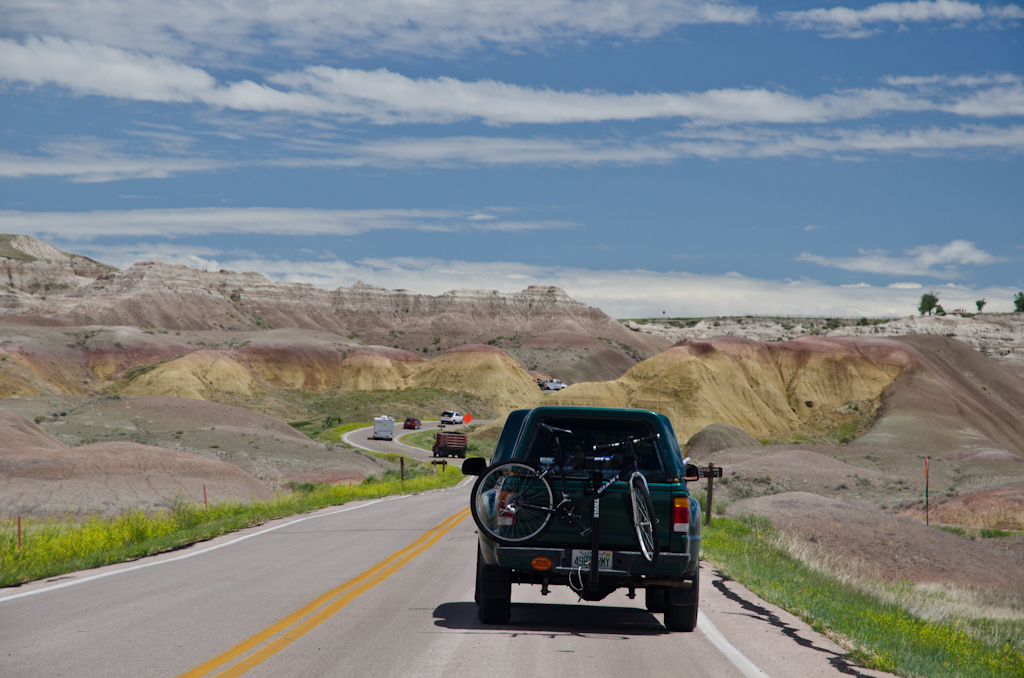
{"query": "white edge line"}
{"type": "Point", "coordinates": [196, 553]}
{"type": "Point", "coordinates": [738, 659]}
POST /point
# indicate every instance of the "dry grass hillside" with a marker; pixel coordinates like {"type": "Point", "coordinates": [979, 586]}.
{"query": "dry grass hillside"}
{"type": "Point", "coordinates": [269, 452]}
{"type": "Point", "coordinates": [764, 389]}
{"type": "Point", "coordinates": [485, 371]}
{"type": "Point", "coordinates": [41, 475]}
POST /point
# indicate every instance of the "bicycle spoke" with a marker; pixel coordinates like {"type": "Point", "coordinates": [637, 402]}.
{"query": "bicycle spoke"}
{"type": "Point", "coordinates": [512, 503]}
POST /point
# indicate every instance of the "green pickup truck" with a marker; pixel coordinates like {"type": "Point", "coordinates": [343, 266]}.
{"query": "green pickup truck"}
{"type": "Point", "coordinates": [590, 498]}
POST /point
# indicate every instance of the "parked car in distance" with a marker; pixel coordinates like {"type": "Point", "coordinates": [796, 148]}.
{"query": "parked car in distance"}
{"type": "Point", "coordinates": [451, 418]}
{"type": "Point", "coordinates": [413, 423]}
{"type": "Point", "coordinates": [553, 385]}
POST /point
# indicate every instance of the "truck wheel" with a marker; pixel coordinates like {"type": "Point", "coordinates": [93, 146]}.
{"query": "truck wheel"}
{"type": "Point", "coordinates": [493, 593]}
{"type": "Point", "coordinates": [654, 597]}
{"type": "Point", "coordinates": [681, 607]}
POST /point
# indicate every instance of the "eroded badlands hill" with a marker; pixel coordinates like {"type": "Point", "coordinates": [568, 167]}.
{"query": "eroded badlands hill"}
{"type": "Point", "coordinates": [41, 475]}
{"type": "Point", "coordinates": [541, 326]}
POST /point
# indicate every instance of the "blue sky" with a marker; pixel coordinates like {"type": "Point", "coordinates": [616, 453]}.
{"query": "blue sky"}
{"type": "Point", "coordinates": [696, 158]}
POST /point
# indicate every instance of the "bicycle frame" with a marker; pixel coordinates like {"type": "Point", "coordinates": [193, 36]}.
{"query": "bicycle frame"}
{"type": "Point", "coordinates": [570, 514]}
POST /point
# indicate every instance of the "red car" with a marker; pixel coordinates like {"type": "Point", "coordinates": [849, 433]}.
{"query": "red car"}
{"type": "Point", "coordinates": [412, 422]}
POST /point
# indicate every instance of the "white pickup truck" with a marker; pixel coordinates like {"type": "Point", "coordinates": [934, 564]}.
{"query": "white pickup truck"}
{"type": "Point", "coordinates": [552, 385]}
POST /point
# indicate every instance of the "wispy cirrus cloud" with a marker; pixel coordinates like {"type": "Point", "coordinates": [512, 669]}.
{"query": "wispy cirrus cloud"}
{"type": "Point", "coordinates": [691, 142]}
{"type": "Point", "coordinates": [178, 223]}
{"type": "Point", "coordinates": [934, 261]}
{"type": "Point", "coordinates": [384, 97]}
{"type": "Point", "coordinates": [224, 31]}
{"type": "Point", "coordinates": [844, 22]}
{"type": "Point", "coordinates": [91, 161]}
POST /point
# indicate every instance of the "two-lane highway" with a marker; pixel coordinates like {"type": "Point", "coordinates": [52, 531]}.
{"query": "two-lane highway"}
{"type": "Point", "coordinates": [380, 588]}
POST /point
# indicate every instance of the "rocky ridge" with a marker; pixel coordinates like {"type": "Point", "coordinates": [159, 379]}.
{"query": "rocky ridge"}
{"type": "Point", "coordinates": [997, 335]}
{"type": "Point", "coordinates": [541, 326]}
{"type": "Point", "coordinates": [35, 271]}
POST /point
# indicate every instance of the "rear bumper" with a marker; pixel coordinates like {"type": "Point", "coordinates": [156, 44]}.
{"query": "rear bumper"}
{"type": "Point", "coordinates": [628, 567]}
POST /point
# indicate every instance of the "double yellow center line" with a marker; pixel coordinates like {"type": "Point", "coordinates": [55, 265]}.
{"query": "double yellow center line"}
{"type": "Point", "coordinates": [278, 636]}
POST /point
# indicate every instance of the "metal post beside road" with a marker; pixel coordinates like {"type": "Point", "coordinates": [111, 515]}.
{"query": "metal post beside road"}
{"type": "Point", "coordinates": [711, 472]}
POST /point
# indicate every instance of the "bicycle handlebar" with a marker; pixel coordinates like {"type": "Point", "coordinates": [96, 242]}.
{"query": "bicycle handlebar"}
{"type": "Point", "coordinates": [552, 429]}
{"type": "Point", "coordinates": [628, 441]}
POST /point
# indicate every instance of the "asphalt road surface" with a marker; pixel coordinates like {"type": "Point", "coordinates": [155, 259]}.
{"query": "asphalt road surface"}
{"type": "Point", "coordinates": [379, 588]}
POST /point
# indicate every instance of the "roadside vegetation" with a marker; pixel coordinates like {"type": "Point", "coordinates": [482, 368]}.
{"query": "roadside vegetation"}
{"type": "Point", "coordinates": [57, 546]}
{"type": "Point", "coordinates": [884, 629]}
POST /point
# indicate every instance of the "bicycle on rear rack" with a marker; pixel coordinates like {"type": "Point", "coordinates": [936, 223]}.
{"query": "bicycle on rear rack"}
{"type": "Point", "coordinates": [514, 502]}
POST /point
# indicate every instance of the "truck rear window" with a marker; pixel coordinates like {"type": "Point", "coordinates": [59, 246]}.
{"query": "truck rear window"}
{"type": "Point", "coordinates": [588, 432]}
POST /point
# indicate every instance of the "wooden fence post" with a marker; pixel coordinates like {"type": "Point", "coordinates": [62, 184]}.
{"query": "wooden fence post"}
{"type": "Point", "coordinates": [711, 492]}
{"type": "Point", "coordinates": [401, 464]}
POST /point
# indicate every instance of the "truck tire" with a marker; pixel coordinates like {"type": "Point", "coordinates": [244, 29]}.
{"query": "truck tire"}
{"type": "Point", "coordinates": [654, 597]}
{"type": "Point", "coordinates": [681, 607]}
{"type": "Point", "coordinates": [493, 593]}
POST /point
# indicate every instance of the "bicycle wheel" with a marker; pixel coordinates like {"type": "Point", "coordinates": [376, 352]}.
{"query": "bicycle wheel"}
{"type": "Point", "coordinates": [512, 503]}
{"type": "Point", "coordinates": [643, 517]}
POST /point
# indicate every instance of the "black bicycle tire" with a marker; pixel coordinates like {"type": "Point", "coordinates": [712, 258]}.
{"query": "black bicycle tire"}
{"type": "Point", "coordinates": [538, 517]}
{"type": "Point", "coordinates": [640, 498]}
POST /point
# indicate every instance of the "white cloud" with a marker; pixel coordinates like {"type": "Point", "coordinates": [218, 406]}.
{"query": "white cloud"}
{"type": "Point", "coordinates": [921, 260]}
{"type": "Point", "coordinates": [223, 30]}
{"type": "Point", "coordinates": [905, 286]}
{"type": "Point", "coordinates": [811, 227]}
{"type": "Point", "coordinates": [844, 22]}
{"type": "Point", "coordinates": [94, 160]}
{"type": "Point", "coordinates": [953, 81]}
{"type": "Point", "coordinates": [753, 142]}
{"type": "Point", "coordinates": [176, 223]}
{"type": "Point", "coordinates": [384, 97]}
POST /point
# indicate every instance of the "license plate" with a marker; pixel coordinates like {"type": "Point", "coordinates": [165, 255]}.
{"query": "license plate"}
{"type": "Point", "coordinates": [581, 558]}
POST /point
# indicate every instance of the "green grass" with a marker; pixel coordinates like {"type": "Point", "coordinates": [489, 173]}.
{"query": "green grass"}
{"type": "Point", "coordinates": [335, 434]}
{"type": "Point", "coordinates": [886, 636]}
{"type": "Point", "coordinates": [57, 546]}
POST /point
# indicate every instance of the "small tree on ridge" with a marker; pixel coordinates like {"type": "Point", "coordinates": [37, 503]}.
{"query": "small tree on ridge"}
{"type": "Point", "coordinates": [1018, 302]}
{"type": "Point", "coordinates": [928, 303]}
{"type": "Point", "coordinates": [980, 303]}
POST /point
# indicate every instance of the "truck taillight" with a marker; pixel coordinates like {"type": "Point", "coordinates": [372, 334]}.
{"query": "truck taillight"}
{"type": "Point", "coordinates": [506, 508]}
{"type": "Point", "coordinates": [681, 514]}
